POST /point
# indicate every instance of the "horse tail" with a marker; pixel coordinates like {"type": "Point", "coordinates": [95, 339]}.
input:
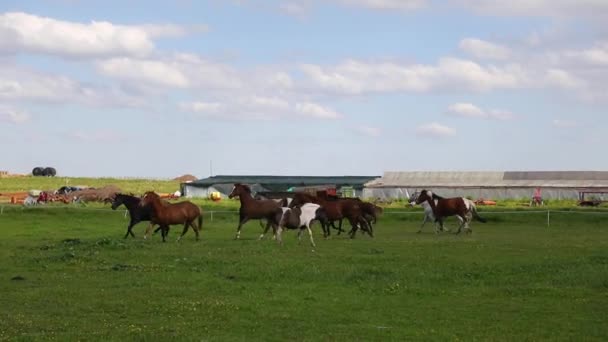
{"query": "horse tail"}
{"type": "Point", "coordinates": [476, 215]}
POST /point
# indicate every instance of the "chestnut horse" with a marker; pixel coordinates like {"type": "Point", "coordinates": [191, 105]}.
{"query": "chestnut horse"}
{"type": "Point", "coordinates": [444, 207]}
{"type": "Point", "coordinates": [165, 214]}
{"type": "Point", "coordinates": [255, 209]}
{"type": "Point", "coordinates": [336, 210]}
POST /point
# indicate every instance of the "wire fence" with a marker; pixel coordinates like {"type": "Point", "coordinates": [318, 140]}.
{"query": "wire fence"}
{"type": "Point", "coordinates": [212, 213]}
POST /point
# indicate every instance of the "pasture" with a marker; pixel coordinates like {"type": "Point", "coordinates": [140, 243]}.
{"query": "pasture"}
{"type": "Point", "coordinates": [67, 274]}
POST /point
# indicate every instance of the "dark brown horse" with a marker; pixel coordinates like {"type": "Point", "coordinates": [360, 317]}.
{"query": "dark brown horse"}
{"type": "Point", "coordinates": [370, 211]}
{"type": "Point", "coordinates": [252, 209]}
{"type": "Point", "coordinates": [137, 213]}
{"type": "Point", "coordinates": [165, 214]}
{"type": "Point", "coordinates": [336, 210]}
{"type": "Point", "coordinates": [445, 207]}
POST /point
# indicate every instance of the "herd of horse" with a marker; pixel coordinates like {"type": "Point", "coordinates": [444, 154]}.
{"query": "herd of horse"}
{"type": "Point", "coordinates": [296, 213]}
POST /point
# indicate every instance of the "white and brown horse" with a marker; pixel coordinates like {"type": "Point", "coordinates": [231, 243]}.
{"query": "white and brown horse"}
{"type": "Point", "coordinates": [442, 208]}
{"type": "Point", "coordinates": [301, 217]}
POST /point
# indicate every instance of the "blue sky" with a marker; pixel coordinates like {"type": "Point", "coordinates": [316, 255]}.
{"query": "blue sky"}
{"type": "Point", "coordinates": [336, 87]}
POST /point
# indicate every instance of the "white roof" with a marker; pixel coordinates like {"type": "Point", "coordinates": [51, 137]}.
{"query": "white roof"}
{"type": "Point", "coordinates": [480, 179]}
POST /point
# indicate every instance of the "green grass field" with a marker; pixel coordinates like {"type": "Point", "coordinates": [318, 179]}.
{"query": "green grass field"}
{"type": "Point", "coordinates": [137, 186]}
{"type": "Point", "coordinates": [67, 274]}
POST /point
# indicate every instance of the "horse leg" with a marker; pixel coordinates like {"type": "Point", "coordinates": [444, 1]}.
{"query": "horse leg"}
{"type": "Point", "coordinates": [467, 227]}
{"type": "Point", "coordinates": [265, 230]}
{"type": "Point", "coordinates": [129, 231]}
{"type": "Point", "coordinates": [196, 229]}
{"type": "Point", "coordinates": [325, 227]}
{"type": "Point", "coordinates": [279, 238]}
{"type": "Point", "coordinates": [186, 226]}
{"type": "Point", "coordinates": [423, 223]}
{"type": "Point", "coordinates": [242, 220]}
{"type": "Point", "coordinates": [312, 241]}
{"type": "Point", "coordinates": [148, 230]}
{"type": "Point", "coordinates": [164, 232]}
{"type": "Point", "coordinates": [438, 225]}
{"type": "Point", "coordinates": [366, 226]}
{"type": "Point", "coordinates": [462, 223]}
{"type": "Point", "coordinates": [354, 228]}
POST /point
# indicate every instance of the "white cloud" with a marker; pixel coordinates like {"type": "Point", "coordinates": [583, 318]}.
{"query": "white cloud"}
{"type": "Point", "coordinates": [357, 77]}
{"type": "Point", "coordinates": [545, 8]}
{"type": "Point", "coordinates": [469, 110]}
{"type": "Point", "coordinates": [22, 32]}
{"type": "Point", "coordinates": [259, 108]}
{"type": "Point", "coordinates": [369, 131]}
{"type": "Point", "coordinates": [146, 71]}
{"type": "Point", "coordinates": [190, 71]}
{"type": "Point", "coordinates": [316, 111]}
{"type": "Point", "coordinates": [483, 49]}
{"type": "Point", "coordinates": [12, 115]}
{"type": "Point", "coordinates": [386, 4]}
{"type": "Point", "coordinates": [18, 84]}
{"type": "Point", "coordinates": [293, 8]}
{"type": "Point", "coordinates": [559, 123]}
{"type": "Point", "coordinates": [95, 136]}
{"type": "Point", "coordinates": [435, 130]}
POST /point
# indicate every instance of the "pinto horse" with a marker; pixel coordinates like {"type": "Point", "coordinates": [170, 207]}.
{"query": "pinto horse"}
{"type": "Point", "coordinates": [336, 210]}
{"type": "Point", "coordinates": [445, 207]}
{"type": "Point", "coordinates": [166, 214]}
{"type": "Point", "coordinates": [301, 218]}
{"type": "Point", "coordinates": [255, 209]}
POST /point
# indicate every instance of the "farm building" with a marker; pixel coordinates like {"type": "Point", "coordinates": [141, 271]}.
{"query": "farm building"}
{"type": "Point", "coordinates": [491, 185]}
{"type": "Point", "coordinates": [223, 184]}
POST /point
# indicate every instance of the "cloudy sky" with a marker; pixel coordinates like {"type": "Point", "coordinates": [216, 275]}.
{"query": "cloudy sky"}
{"type": "Point", "coordinates": [310, 87]}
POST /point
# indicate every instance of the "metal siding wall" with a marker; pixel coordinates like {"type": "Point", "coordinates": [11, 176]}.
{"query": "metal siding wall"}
{"type": "Point", "coordinates": [495, 193]}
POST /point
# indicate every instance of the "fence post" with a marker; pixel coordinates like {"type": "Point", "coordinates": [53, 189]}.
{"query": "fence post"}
{"type": "Point", "coordinates": [211, 215]}
{"type": "Point", "coordinates": [548, 218]}
{"type": "Point", "coordinates": [1, 210]}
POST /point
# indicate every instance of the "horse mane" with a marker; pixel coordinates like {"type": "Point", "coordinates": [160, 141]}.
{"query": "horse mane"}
{"type": "Point", "coordinates": [244, 186]}
{"type": "Point", "coordinates": [437, 197]}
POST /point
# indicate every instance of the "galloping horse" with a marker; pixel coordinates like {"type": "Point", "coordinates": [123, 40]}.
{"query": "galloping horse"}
{"type": "Point", "coordinates": [165, 214]}
{"type": "Point", "coordinates": [255, 209]}
{"type": "Point", "coordinates": [136, 212]}
{"type": "Point", "coordinates": [336, 210]}
{"type": "Point", "coordinates": [429, 216]}
{"type": "Point", "coordinates": [301, 218]}
{"type": "Point", "coordinates": [444, 207]}
{"type": "Point", "coordinates": [369, 210]}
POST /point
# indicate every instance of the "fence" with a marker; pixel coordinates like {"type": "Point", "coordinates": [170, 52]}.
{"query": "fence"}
{"type": "Point", "coordinates": [212, 213]}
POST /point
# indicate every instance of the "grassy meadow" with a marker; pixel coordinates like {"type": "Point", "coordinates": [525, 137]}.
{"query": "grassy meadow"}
{"type": "Point", "coordinates": [137, 186]}
{"type": "Point", "coordinates": [67, 274]}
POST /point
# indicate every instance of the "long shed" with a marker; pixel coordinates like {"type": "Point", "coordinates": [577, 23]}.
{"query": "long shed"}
{"type": "Point", "coordinates": [224, 183]}
{"type": "Point", "coordinates": [489, 184]}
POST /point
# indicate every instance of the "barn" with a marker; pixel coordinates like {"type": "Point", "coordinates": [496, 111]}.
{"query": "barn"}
{"type": "Point", "coordinates": [491, 185]}
{"type": "Point", "coordinates": [224, 183]}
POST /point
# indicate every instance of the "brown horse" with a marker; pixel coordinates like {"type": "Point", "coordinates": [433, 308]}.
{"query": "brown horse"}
{"type": "Point", "coordinates": [255, 209]}
{"type": "Point", "coordinates": [369, 210]}
{"type": "Point", "coordinates": [165, 214]}
{"type": "Point", "coordinates": [336, 210]}
{"type": "Point", "coordinates": [445, 207]}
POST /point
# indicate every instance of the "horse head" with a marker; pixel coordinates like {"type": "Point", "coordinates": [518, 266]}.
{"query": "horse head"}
{"type": "Point", "coordinates": [413, 198]}
{"type": "Point", "coordinates": [299, 199]}
{"type": "Point", "coordinates": [239, 189]}
{"type": "Point", "coordinates": [148, 197]}
{"type": "Point", "coordinates": [423, 196]}
{"type": "Point", "coordinates": [117, 200]}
